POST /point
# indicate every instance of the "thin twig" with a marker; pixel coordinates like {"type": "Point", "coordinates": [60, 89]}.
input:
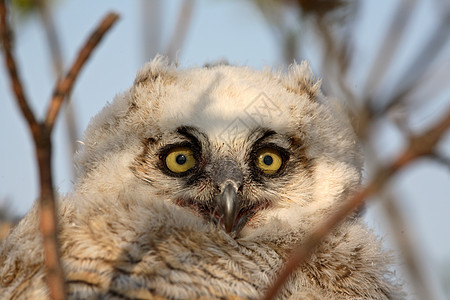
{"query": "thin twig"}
{"type": "Point", "coordinates": [151, 15]}
{"type": "Point", "coordinates": [286, 35]}
{"type": "Point", "coordinates": [52, 36]}
{"type": "Point", "coordinates": [57, 59]}
{"type": "Point", "coordinates": [42, 141]}
{"type": "Point", "coordinates": [416, 71]}
{"type": "Point", "coordinates": [405, 243]}
{"type": "Point", "coordinates": [13, 73]}
{"type": "Point", "coordinates": [335, 62]}
{"type": "Point", "coordinates": [441, 159]}
{"type": "Point", "coordinates": [181, 28]}
{"type": "Point", "coordinates": [64, 86]}
{"type": "Point", "coordinates": [43, 145]}
{"type": "Point", "coordinates": [419, 146]}
{"type": "Point", "coordinates": [48, 221]}
{"type": "Point", "coordinates": [390, 44]}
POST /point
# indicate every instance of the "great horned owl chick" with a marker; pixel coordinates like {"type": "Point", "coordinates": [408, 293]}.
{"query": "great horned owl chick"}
{"type": "Point", "coordinates": [197, 183]}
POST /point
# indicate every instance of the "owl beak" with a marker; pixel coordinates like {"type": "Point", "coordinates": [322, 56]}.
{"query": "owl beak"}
{"type": "Point", "coordinates": [228, 206]}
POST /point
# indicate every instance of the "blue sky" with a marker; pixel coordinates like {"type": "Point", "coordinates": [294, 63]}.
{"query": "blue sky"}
{"type": "Point", "coordinates": [234, 30]}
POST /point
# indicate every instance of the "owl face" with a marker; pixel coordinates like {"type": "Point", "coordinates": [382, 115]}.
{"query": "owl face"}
{"type": "Point", "coordinates": [229, 145]}
{"type": "Point", "coordinates": [227, 185]}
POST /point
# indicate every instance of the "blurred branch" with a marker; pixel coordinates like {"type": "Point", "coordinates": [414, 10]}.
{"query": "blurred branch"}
{"type": "Point", "coordinates": [441, 159]}
{"type": "Point", "coordinates": [151, 21]}
{"type": "Point", "coordinates": [424, 59]}
{"type": "Point", "coordinates": [390, 44]}
{"type": "Point", "coordinates": [333, 56]}
{"type": "Point", "coordinates": [287, 37]}
{"type": "Point", "coordinates": [64, 86]}
{"type": "Point", "coordinates": [13, 72]}
{"type": "Point", "coordinates": [419, 146]}
{"type": "Point", "coordinates": [406, 245]}
{"type": "Point", "coordinates": [336, 59]}
{"type": "Point", "coordinates": [325, 18]}
{"type": "Point", "coordinates": [41, 137]}
{"type": "Point", "coordinates": [58, 68]}
{"type": "Point", "coordinates": [52, 37]}
{"type": "Point", "coordinates": [179, 34]}
{"type": "Point", "coordinates": [41, 132]}
{"type": "Point", "coordinates": [321, 8]}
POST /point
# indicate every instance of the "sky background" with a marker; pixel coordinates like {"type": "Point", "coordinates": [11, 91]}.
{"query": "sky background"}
{"type": "Point", "coordinates": [238, 32]}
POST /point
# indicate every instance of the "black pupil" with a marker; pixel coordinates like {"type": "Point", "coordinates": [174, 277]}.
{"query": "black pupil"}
{"type": "Point", "coordinates": [268, 160]}
{"type": "Point", "coordinates": [181, 159]}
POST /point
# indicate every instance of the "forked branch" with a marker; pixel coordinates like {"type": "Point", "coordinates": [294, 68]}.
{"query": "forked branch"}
{"type": "Point", "coordinates": [12, 70]}
{"type": "Point", "coordinates": [64, 86]}
{"type": "Point", "coordinates": [41, 132]}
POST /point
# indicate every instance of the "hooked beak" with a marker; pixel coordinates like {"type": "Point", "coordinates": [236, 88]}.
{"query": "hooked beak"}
{"type": "Point", "coordinates": [227, 209]}
{"type": "Point", "coordinates": [228, 176]}
{"type": "Point", "coordinates": [228, 206]}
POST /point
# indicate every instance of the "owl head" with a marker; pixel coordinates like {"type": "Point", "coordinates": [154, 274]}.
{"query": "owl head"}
{"type": "Point", "coordinates": [231, 146]}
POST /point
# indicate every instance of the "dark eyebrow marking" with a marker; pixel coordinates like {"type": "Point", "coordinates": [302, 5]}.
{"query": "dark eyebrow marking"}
{"type": "Point", "coordinates": [265, 134]}
{"type": "Point", "coordinates": [192, 134]}
{"type": "Point", "coordinates": [259, 134]}
{"type": "Point", "coordinates": [187, 131]}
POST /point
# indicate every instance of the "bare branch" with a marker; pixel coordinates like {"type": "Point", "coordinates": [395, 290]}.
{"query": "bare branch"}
{"type": "Point", "coordinates": [47, 210]}
{"type": "Point", "coordinates": [13, 73]}
{"type": "Point", "coordinates": [441, 159]}
{"type": "Point", "coordinates": [405, 243]}
{"type": "Point", "coordinates": [56, 55]}
{"type": "Point", "coordinates": [42, 141]}
{"type": "Point", "coordinates": [422, 62]}
{"type": "Point", "coordinates": [52, 37]}
{"type": "Point", "coordinates": [48, 220]}
{"type": "Point", "coordinates": [390, 43]}
{"type": "Point", "coordinates": [65, 85]}
{"type": "Point", "coordinates": [179, 34]}
{"type": "Point", "coordinates": [43, 145]}
{"type": "Point", "coordinates": [151, 15]}
{"type": "Point", "coordinates": [419, 146]}
{"type": "Point", "coordinates": [335, 57]}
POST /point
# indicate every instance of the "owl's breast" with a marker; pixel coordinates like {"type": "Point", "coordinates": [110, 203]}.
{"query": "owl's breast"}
{"type": "Point", "coordinates": [122, 256]}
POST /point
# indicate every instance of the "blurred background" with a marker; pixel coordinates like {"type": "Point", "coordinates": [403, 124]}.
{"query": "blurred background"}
{"type": "Point", "coordinates": [388, 60]}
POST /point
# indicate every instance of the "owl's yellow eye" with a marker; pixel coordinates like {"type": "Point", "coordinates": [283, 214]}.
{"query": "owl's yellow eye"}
{"type": "Point", "coordinates": [180, 159]}
{"type": "Point", "coordinates": [268, 160]}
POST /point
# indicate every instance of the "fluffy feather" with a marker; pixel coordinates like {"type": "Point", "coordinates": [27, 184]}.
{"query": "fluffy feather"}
{"type": "Point", "coordinates": [132, 230]}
